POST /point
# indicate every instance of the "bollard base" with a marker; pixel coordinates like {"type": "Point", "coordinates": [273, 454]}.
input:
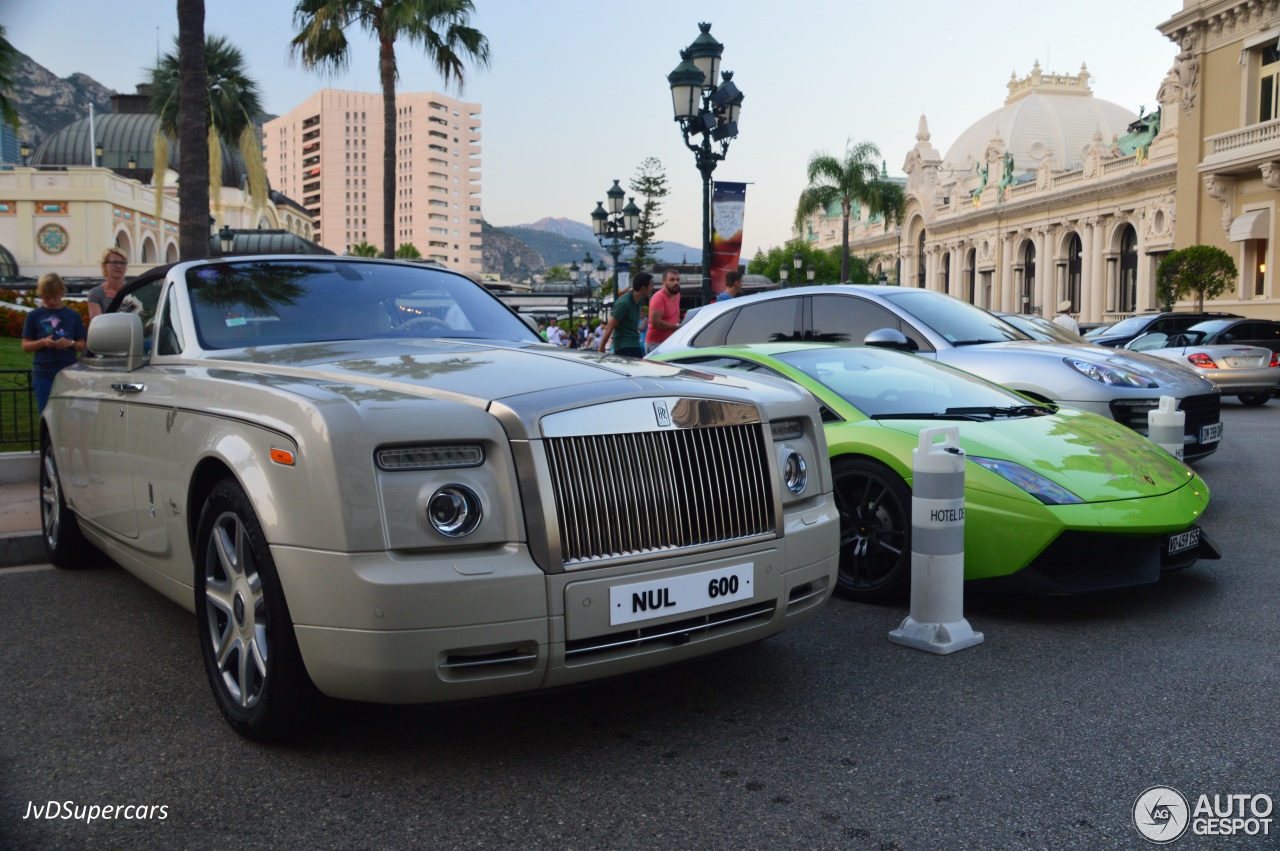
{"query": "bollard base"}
{"type": "Point", "coordinates": [940, 638]}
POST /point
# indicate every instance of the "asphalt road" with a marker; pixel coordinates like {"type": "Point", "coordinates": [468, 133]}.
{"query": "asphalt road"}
{"type": "Point", "coordinates": [827, 736]}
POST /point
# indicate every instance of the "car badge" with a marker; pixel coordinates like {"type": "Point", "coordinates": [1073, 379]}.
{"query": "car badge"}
{"type": "Point", "coordinates": [661, 413]}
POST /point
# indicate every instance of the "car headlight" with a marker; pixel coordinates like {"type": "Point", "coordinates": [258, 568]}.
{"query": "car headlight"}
{"type": "Point", "coordinates": [795, 472]}
{"type": "Point", "coordinates": [1050, 493]}
{"type": "Point", "coordinates": [454, 511]}
{"type": "Point", "coordinates": [1111, 375]}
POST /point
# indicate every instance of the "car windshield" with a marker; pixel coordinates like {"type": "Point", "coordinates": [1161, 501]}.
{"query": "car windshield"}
{"type": "Point", "coordinates": [1132, 325]}
{"type": "Point", "coordinates": [268, 303]}
{"type": "Point", "coordinates": [885, 383]}
{"type": "Point", "coordinates": [955, 321]}
{"type": "Point", "coordinates": [1040, 329]}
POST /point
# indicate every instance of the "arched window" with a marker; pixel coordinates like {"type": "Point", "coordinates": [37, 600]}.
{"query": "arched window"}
{"type": "Point", "coordinates": [1075, 271]}
{"type": "Point", "coordinates": [1028, 275]}
{"type": "Point", "coordinates": [1127, 292]}
{"type": "Point", "coordinates": [920, 261]}
{"type": "Point", "coordinates": [970, 274]}
{"type": "Point", "coordinates": [8, 265]}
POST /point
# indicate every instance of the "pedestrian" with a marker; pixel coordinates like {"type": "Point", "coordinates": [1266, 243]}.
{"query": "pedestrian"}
{"type": "Point", "coordinates": [555, 336]}
{"type": "Point", "coordinates": [114, 263]}
{"type": "Point", "coordinates": [732, 286]}
{"type": "Point", "coordinates": [1064, 317]}
{"type": "Point", "coordinates": [624, 324]}
{"type": "Point", "coordinates": [664, 310]}
{"type": "Point", "coordinates": [53, 333]}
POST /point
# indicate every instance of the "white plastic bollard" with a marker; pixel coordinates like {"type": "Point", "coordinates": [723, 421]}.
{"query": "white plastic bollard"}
{"type": "Point", "coordinates": [1165, 426]}
{"type": "Point", "coordinates": [937, 622]}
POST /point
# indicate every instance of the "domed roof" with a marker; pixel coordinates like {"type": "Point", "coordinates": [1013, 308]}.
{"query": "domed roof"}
{"type": "Point", "coordinates": [122, 135]}
{"type": "Point", "coordinates": [1044, 115]}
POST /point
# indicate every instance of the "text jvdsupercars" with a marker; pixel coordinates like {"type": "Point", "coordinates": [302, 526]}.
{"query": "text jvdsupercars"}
{"type": "Point", "coordinates": [71, 811]}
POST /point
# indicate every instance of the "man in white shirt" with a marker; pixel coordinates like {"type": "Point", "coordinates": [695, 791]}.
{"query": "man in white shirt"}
{"type": "Point", "coordinates": [1064, 317]}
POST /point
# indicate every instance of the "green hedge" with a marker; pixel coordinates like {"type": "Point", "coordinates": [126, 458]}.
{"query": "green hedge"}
{"type": "Point", "coordinates": [11, 320]}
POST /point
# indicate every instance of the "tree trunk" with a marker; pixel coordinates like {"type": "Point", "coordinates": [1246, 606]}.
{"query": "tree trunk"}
{"type": "Point", "coordinates": [387, 71]}
{"type": "Point", "coordinates": [193, 145]}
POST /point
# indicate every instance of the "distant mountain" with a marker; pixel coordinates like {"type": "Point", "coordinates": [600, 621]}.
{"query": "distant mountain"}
{"type": "Point", "coordinates": [507, 256]}
{"type": "Point", "coordinates": [667, 252]}
{"type": "Point", "coordinates": [47, 103]}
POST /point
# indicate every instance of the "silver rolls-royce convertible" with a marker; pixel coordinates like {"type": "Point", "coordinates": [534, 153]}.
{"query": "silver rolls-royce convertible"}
{"type": "Point", "coordinates": [372, 480]}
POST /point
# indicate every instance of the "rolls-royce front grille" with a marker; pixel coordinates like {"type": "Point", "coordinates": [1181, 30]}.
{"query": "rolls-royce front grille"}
{"type": "Point", "coordinates": [641, 492]}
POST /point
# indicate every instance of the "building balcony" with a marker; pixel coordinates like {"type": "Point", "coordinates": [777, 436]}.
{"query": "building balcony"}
{"type": "Point", "coordinates": [1242, 150]}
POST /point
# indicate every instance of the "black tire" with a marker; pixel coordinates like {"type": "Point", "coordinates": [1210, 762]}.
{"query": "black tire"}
{"type": "Point", "coordinates": [246, 636]}
{"type": "Point", "coordinates": [64, 543]}
{"type": "Point", "coordinates": [1253, 400]}
{"type": "Point", "coordinates": [875, 531]}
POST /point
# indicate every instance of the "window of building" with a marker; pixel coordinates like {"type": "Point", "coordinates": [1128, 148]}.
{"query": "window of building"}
{"type": "Point", "coordinates": [1028, 275]}
{"type": "Point", "coordinates": [1075, 271]}
{"type": "Point", "coordinates": [1269, 83]}
{"type": "Point", "coordinates": [1127, 291]}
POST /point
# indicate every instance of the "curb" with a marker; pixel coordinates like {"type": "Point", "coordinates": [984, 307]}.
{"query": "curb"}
{"type": "Point", "coordinates": [19, 549]}
{"type": "Point", "coordinates": [19, 467]}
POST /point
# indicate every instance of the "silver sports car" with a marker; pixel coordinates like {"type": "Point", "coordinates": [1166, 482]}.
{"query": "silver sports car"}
{"type": "Point", "coordinates": [371, 480]}
{"type": "Point", "coordinates": [1250, 373]}
{"type": "Point", "coordinates": [1114, 383]}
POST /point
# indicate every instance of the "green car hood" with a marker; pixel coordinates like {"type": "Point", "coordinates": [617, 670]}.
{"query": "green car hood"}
{"type": "Point", "coordinates": [1095, 458]}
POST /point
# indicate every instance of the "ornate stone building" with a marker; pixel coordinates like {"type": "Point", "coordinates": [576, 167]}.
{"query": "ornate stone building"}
{"type": "Point", "coordinates": [1056, 195]}
{"type": "Point", "coordinates": [1225, 85]}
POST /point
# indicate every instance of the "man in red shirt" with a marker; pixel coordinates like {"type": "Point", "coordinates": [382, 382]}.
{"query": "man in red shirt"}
{"type": "Point", "coordinates": [664, 310]}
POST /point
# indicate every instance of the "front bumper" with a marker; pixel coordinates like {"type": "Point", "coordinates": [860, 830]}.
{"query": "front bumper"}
{"type": "Point", "coordinates": [411, 628]}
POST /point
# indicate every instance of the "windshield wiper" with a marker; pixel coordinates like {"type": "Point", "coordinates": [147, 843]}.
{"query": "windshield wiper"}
{"type": "Point", "coordinates": [949, 414]}
{"type": "Point", "coordinates": [1010, 411]}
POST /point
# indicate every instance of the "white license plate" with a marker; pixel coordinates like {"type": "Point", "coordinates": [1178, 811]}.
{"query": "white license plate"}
{"type": "Point", "coordinates": [660, 598]}
{"type": "Point", "coordinates": [1211, 433]}
{"type": "Point", "coordinates": [1184, 541]}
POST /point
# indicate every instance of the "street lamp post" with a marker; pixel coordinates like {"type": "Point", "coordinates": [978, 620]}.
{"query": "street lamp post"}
{"type": "Point", "coordinates": [25, 150]}
{"type": "Point", "coordinates": [708, 109]}
{"type": "Point", "coordinates": [616, 227]}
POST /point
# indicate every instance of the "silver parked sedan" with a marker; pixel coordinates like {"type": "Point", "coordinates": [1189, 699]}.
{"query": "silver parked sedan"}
{"type": "Point", "coordinates": [1114, 383]}
{"type": "Point", "coordinates": [1250, 373]}
{"type": "Point", "coordinates": [371, 480]}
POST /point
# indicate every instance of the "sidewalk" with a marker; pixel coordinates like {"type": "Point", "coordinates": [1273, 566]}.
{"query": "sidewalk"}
{"type": "Point", "coordinates": [20, 541]}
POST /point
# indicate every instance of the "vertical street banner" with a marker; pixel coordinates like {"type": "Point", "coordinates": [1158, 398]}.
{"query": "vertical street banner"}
{"type": "Point", "coordinates": [728, 204]}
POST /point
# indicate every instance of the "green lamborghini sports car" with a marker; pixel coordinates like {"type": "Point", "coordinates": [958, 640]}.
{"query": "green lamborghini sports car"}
{"type": "Point", "coordinates": [1057, 501]}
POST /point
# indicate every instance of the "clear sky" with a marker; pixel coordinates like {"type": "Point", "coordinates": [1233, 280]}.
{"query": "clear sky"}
{"type": "Point", "coordinates": [577, 96]}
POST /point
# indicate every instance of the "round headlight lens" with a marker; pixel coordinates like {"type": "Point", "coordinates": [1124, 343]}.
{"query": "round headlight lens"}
{"type": "Point", "coordinates": [795, 472]}
{"type": "Point", "coordinates": [454, 511]}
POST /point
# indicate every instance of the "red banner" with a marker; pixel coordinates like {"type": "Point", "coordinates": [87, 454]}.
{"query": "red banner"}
{"type": "Point", "coordinates": [728, 205]}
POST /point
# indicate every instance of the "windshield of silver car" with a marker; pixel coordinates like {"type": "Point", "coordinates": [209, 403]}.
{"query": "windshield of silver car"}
{"type": "Point", "coordinates": [270, 303]}
{"type": "Point", "coordinates": [958, 323]}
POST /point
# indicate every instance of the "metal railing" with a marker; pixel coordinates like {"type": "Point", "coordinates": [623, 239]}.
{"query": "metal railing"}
{"type": "Point", "coordinates": [17, 411]}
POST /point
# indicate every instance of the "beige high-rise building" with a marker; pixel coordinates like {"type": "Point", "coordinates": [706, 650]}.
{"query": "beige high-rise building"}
{"type": "Point", "coordinates": [327, 153]}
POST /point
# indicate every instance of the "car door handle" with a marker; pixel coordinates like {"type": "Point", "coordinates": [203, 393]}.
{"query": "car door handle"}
{"type": "Point", "coordinates": [129, 388]}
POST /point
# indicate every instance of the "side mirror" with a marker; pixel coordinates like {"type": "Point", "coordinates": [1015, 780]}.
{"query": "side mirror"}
{"type": "Point", "coordinates": [118, 335]}
{"type": "Point", "coordinates": [889, 338]}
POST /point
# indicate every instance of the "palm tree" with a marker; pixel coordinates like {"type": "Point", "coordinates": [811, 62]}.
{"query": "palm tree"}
{"type": "Point", "coordinates": [193, 105]}
{"type": "Point", "coordinates": [847, 180]}
{"type": "Point", "coordinates": [8, 65]}
{"type": "Point", "coordinates": [363, 249]}
{"type": "Point", "coordinates": [232, 99]}
{"type": "Point", "coordinates": [439, 27]}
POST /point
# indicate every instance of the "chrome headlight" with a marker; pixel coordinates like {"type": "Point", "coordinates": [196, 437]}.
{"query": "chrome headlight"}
{"type": "Point", "coordinates": [795, 472]}
{"type": "Point", "coordinates": [1111, 375]}
{"type": "Point", "coordinates": [454, 511]}
{"type": "Point", "coordinates": [1048, 492]}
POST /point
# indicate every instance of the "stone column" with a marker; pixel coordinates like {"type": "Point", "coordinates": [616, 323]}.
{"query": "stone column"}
{"type": "Point", "coordinates": [1006, 286]}
{"type": "Point", "coordinates": [1098, 289]}
{"type": "Point", "coordinates": [1087, 312]}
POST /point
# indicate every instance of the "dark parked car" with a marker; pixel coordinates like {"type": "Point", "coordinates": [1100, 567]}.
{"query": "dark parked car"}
{"type": "Point", "coordinates": [1145, 323]}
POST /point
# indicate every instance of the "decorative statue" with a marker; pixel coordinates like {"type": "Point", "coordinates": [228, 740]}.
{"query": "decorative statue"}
{"type": "Point", "coordinates": [1007, 179]}
{"type": "Point", "coordinates": [977, 193]}
{"type": "Point", "coordinates": [1188, 68]}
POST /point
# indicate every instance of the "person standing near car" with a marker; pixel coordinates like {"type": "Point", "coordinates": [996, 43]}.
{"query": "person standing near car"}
{"type": "Point", "coordinates": [732, 286]}
{"type": "Point", "coordinates": [53, 333]}
{"type": "Point", "coordinates": [664, 310]}
{"type": "Point", "coordinates": [114, 262]}
{"type": "Point", "coordinates": [1064, 317]}
{"type": "Point", "coordinates": [624, 324]}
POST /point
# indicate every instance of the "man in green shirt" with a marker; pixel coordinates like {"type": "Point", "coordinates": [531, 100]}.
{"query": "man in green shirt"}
{"type": "Point", "coordinates": [624, 324]}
